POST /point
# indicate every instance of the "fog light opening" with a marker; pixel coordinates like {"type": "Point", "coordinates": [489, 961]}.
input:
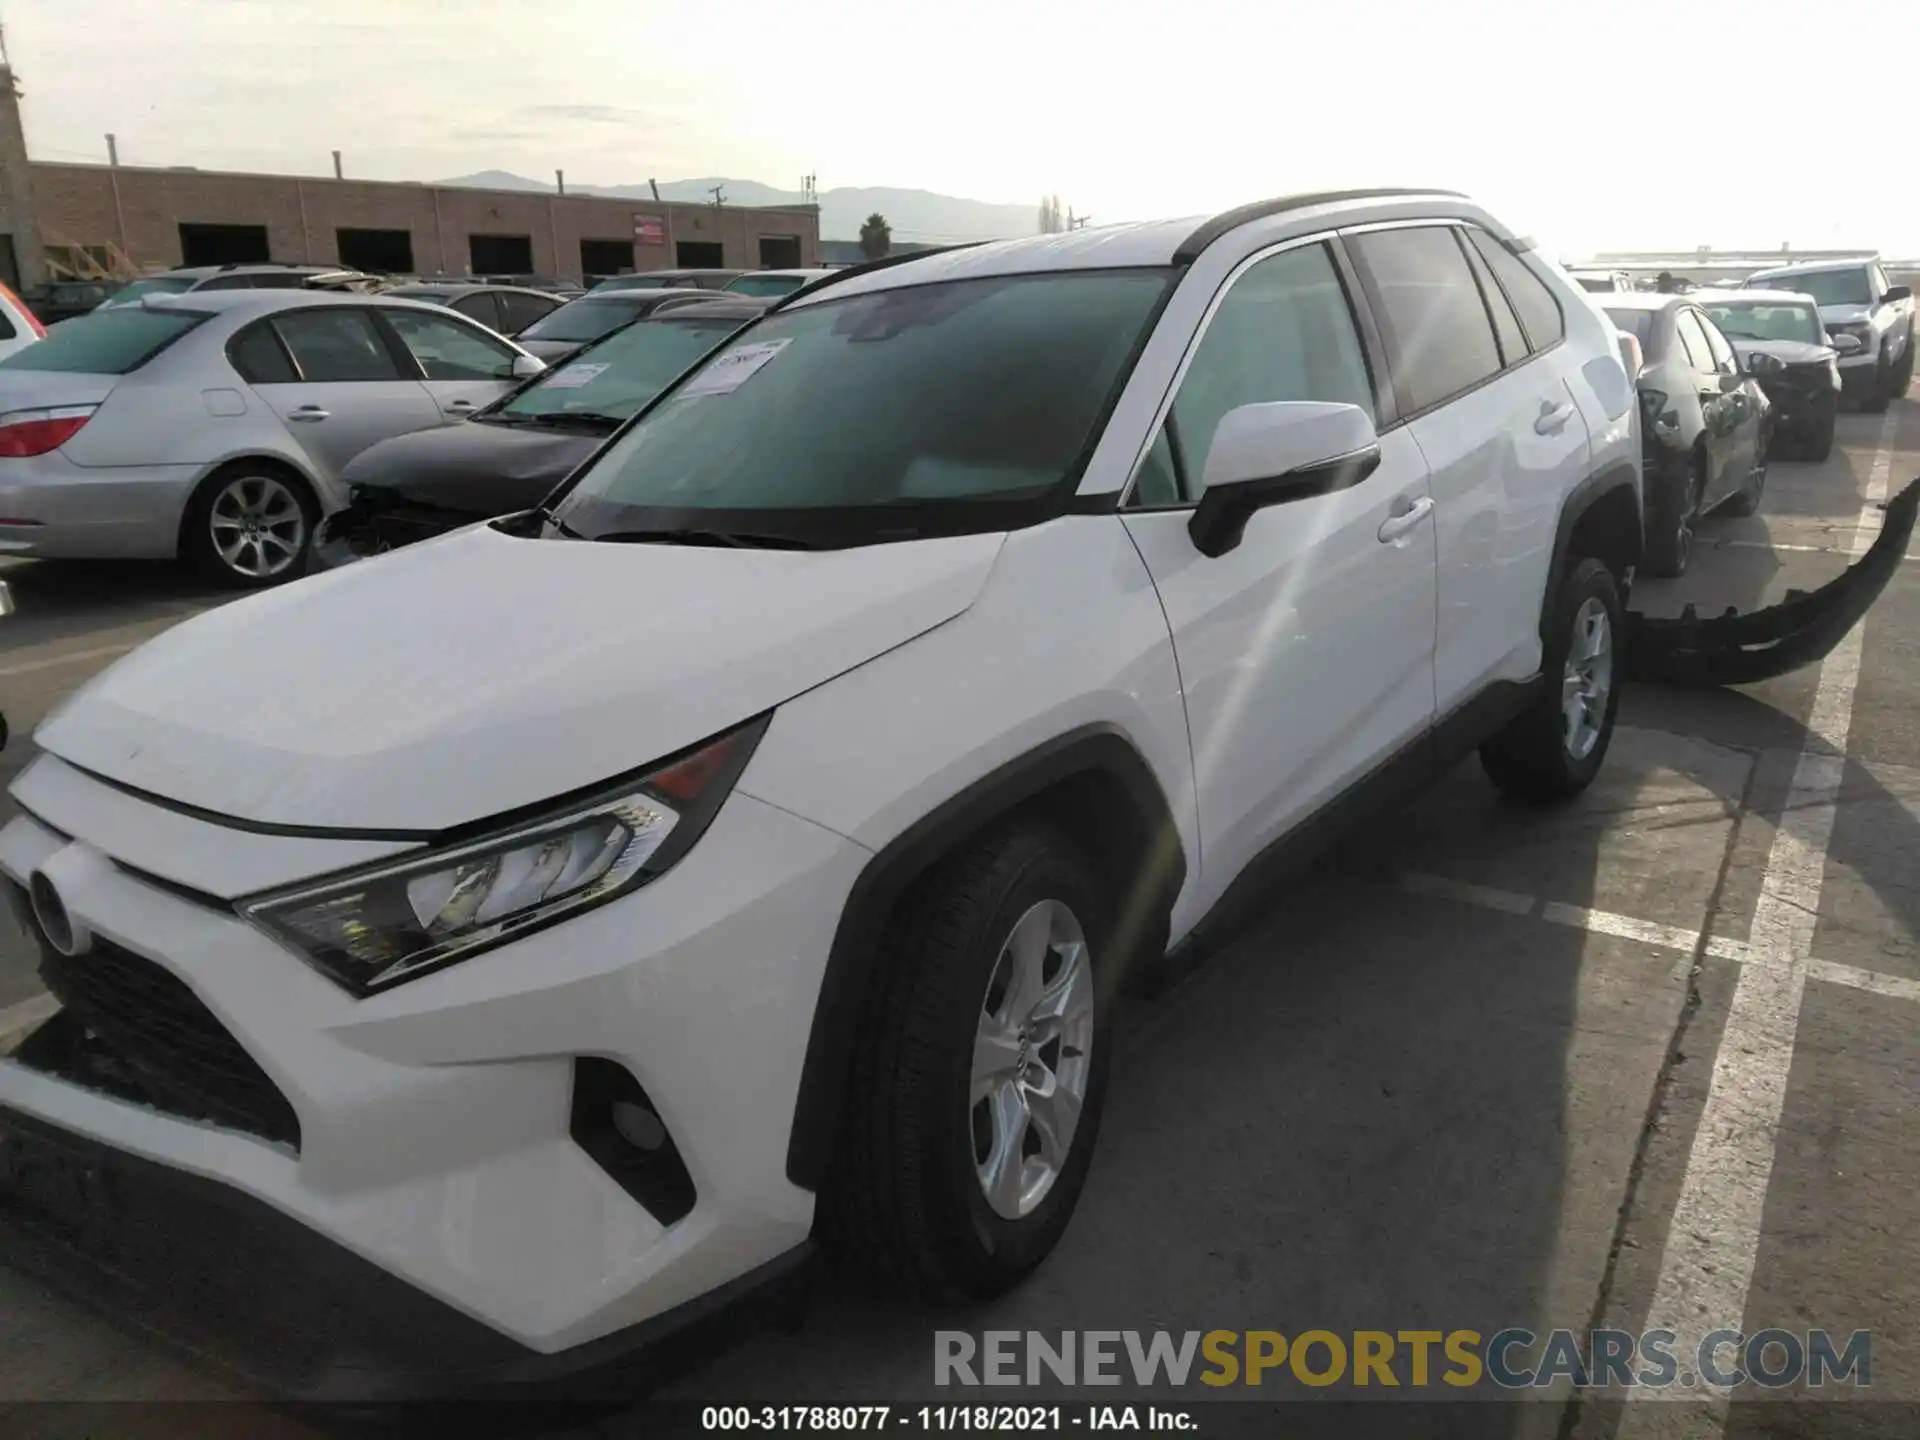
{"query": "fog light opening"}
{"type": "Point", "coordinates": [621, 1130]}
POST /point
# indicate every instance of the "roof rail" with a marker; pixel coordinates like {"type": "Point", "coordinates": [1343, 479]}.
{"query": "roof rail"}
{"type": "Point", "coordinates": [813, 287]}
{"type": "Point", "coordinates": [1210, 231]}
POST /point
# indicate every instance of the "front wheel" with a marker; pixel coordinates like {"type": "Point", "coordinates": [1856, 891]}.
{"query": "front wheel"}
{"type": "Point", "coordinates": [1903, 372]}
{"type": "Point", "coordinates": [979, 1072]}
{"type": "Point", "coordinates": [1880, 396]}
{"type": "Point", "coordinates": [1816, 441]}
{"type": "Point", "coordinates": [1552, 750]}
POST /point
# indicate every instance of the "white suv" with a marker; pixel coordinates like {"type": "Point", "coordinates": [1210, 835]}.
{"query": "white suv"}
{"type": "Point", "coordinates": [548, 930]}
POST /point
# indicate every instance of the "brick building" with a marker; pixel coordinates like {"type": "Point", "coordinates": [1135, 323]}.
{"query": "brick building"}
{"type": "Point", "coordinates": [162, 217]}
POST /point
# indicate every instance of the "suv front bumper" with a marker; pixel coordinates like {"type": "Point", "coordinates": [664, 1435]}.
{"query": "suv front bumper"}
{"type": "Point", "coordinates": [433, 1140]}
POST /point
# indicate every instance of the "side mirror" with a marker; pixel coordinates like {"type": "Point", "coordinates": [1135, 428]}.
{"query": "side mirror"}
{"type": "Point", "coordinates": [1275, 453]}
{"type": "Point", "coordinates": [525, 367]}
{"type": "Point", "coordinates": [1844, 344]}
{"type": "Point", "coordinates": [1896, 293]}
{"type": "Point", "coordinates": [1759, 364]}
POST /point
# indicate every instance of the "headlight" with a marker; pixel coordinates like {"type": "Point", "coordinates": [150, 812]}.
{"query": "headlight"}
{"type": "Point", "coordinates": [374, 928]}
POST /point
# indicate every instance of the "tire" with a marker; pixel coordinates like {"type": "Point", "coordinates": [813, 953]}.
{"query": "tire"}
{"type": "Point", "coordinates": [215, 536]}
{"type": "Point", "coordinates": [1539, 757]}
{"type": "Point", "coordinates": [1671, 512]}
{"type": "Point", "coordinates": [1816, 442]}
{"type": "Point", "coordinates": [1876, 400]}
{"type": "Point", "coordinates": [1746, 500]}
{"type": "Point", "coordinates": [1903, 373]}
{"type": "Point", "coordinates": [907, 1199]}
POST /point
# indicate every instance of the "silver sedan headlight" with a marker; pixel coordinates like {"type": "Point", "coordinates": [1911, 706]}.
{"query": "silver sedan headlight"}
{"type": "Point", "coordinates": [373, 928]}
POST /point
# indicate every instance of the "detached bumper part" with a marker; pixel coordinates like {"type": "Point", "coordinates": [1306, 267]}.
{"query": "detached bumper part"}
{"type": "Point", "coordinates": [1736, 649]}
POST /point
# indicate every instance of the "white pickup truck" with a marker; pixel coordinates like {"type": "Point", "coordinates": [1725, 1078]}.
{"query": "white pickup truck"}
{"type": "Point", "coordinates": [1868, 318]}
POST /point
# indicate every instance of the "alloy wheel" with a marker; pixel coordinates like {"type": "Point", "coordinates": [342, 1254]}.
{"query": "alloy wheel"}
{"type": "Point", "coordinates": [1587, 682]}
{"type": "Point", "coordinates": [259, 529]}
{"type": "Point", "coordinates": [1031, 1056]}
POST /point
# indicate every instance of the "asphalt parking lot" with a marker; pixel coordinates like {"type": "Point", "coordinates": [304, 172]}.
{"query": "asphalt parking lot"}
{"type": "Point", "coordinates": [1650, 1060]}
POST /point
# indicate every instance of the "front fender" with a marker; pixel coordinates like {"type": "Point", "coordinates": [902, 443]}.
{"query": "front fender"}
{"type": "Point", "coordinates": [1736, 649]}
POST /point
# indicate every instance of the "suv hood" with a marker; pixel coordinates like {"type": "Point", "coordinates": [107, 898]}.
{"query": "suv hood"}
{"type": "Point", "coordinates": [478, 673]}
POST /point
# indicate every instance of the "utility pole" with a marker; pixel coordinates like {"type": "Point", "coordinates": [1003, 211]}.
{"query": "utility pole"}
{"type": "Point", "coordinates": [113, 181]}
{"type": "Point", "coordinates": [339, 172]}
{"type": "Point", "coordinates": [654, 186]}
{"type": "Point", "coordinates": [719, 194]}
{"type": "Point", "coordinates": [560, 181]}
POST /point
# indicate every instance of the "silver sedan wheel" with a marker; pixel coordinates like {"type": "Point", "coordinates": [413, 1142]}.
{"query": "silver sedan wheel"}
{"type": "Point", "coordinates": [1030, 1059]}
{"type": "Point", "coordinates": [258, 526]}
{"type": "Point", "coordinates": [1588, 681]}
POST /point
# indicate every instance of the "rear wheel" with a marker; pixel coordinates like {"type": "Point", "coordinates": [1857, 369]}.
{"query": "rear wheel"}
{"type": "Point", "coordinates": [1746, 500]}
{"type": "Point", "coordinates": [1903, 372]}
{"type": "Point", "coordinates": [1671, 510]}
{"type": "Point", "coordinates": [979, 1072]}
{"type": "Point", "coordinates": [249, 526]}
{"type": "Point", "coordinates": [1552, 750]}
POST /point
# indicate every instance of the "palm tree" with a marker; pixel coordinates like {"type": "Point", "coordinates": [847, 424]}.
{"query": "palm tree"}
{"type": "Point", "coordinates": [876, 237]}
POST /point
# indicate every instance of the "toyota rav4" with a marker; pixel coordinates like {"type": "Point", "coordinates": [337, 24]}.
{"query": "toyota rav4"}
{"type": "Point", "coordinates": [533, 938]}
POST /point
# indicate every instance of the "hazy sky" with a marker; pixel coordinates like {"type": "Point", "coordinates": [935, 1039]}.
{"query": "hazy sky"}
{"type": "Point", "coordinates": [1608, 125]}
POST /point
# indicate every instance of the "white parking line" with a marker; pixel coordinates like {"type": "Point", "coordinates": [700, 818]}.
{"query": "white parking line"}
{"type": "Point", "coordinates": [1686, 943]}
{"type": "Point", "coordinates": [71, 657]}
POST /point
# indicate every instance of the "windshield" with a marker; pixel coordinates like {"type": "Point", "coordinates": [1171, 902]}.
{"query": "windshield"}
{"type": "Point", "coordinates": [766, 284]}
{"type": "Point", "coordinates": [905, 399]}
{"type": "Point", "coordinates": [105, 342]}
{"type": "Point", "coordinates": [582, 320]}
{"type": "Point", "coordinates": [1827, 287]}
{"type": "Point", "coordinates": [1753, 321]}
{"type": "Point", "coordinates": [619, 376]}
{"type": "Point", "coordinates": [167, 285]}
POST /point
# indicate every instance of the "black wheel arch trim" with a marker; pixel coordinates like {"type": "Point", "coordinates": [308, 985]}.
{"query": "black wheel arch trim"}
{"type": "Point", "coordinates": [1101, 750]}
{"type": "Point", "coordinates": [1581, 500]}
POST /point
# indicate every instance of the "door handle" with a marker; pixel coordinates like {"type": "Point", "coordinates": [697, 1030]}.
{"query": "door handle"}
{"type": "Point", "coordinates": [1403, 520]}
{"type": "Point", "coordinates": [309, 413]}
{"type": "Point", "coordinates": [1553, 418]}
{"type": "Point", "coordinates": [460, 407]}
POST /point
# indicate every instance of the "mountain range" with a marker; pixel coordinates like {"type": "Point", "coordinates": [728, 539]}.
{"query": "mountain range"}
{"type": "Point", "coordinates": [912, 214]}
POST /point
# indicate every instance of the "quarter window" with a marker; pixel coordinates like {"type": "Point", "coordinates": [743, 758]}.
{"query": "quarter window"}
{"type": "Point", "coordinates": [261, 359]}
{"type": "Point", "coordinates": [448, 350]}
{"type": "Point", "coordinates": [1284, 331]}
{"type": "Point", "coordinates": [522, 310]}
{"type": "Point", "coordinates": [479, 307]}
{"type": "Point", "coordinates": [335, 345]}
{"type": "Point", "coordinates": [1435, 327]}
{"type": "Point", "coordinates": [1539, 312]}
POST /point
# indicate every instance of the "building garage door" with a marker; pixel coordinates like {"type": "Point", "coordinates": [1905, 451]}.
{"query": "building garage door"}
{"type": "Point", "coordinates": [699, 254]}
{"type": "Point", "coordinates": [779, 252]}
{"type": "Point", "coordinates": [500, 254]}
{"type": "Point", "coordinates": [606, 257]}
{"type": "Point", "coordinates": [223, 244]}
{"type": "Point", "coordinates": [379, 252]}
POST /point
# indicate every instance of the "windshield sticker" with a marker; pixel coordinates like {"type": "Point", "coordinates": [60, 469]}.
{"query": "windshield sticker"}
{"type": "Point", "coordinates": [573, 377]}
{"type": "Point", "coordinates": [732, 370]}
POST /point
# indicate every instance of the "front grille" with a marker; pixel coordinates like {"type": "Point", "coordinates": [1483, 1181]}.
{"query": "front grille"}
{"type": "Point", "coordinates": [376, 533]}
{"type": "Point", "coordinates": [132, 1029]}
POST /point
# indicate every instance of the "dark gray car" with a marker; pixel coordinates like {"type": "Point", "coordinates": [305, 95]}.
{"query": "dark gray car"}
{"type": "Point", "coordinates": [580, 322]}
{"type": "Point", "coordinates": [511, 456]}
{"type": "Point", "coordinates": [503, 309]}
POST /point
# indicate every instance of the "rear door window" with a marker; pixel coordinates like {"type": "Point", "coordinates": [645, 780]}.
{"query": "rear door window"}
{"type": "Point", "coordinates": [332, 345]}
{"type": "Point", "coordinates": [479, 306]}
{"type": "Point", "coordinates": [1723, 359]}
{"type": "Point", "coordinates": [107, 342]}
{"type": "Point", "coordinates": [1439, 338]}
{"type": "Point", "coordinates": [1506, 325]}
{"type": "Point", "coordinates": [522, 310]}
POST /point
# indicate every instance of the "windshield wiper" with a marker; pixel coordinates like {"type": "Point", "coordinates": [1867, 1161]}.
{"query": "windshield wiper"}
{"type": "Point", "coordinates": [728, 538]}
{"type": "Point", "coordinates": [575, 417]}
